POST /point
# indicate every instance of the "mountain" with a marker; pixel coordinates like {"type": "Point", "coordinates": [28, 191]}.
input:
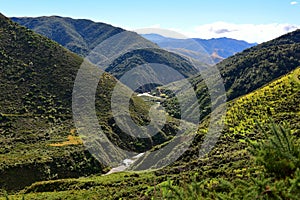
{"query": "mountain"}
{"type": "Point", "coordinates": [180, 67]}
{"type": "Point", "coordinates": [99, 40]}
{"type": "Point", "coordinates": [216, 49]}
{"type": "Point", "coordinates": [39, 142]}
{"type": "Point", "coordinates": [79, 36]}
{"type": "Point", "coordinates": [224, 47]}
{"type": "Point", "coordinates": [35, 110]}
{"type": "Point", "coordinates": [228, 170]}
{"type": "Point", "coordinates": [247, 71]}
{"type": "Point", "coordinates": [38, 136]}
{"type": "Point", "coordinates": [231, 158]}
{"type": "Point", "coordinates": [278, 100]}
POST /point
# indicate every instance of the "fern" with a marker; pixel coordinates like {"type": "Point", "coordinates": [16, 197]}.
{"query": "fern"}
{"type": "Point", "coordinates": [279, 152]}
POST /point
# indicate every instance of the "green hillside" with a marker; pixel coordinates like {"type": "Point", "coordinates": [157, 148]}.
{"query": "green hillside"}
{"type": "Point", "coordinates": [231, 159]}
{"type": "Point", "coordinates": [37, 133]}
{"type": "Point", "coordinates": [83, 37]}
{"type": "Point", "coordinates": [35, 110]}
{"type": "Point", "coordinates": [261, 64]}
{"type": "Point", "coordinates": [227, 169]}
{"type": "Point", "coordinates": [251, 160]}
{"type": "Point", "coordinates": [79, 36]}
{"type": "Point", "coordinates": [141, 56]}
{"type": "Point", "coordinates": [278, 100]}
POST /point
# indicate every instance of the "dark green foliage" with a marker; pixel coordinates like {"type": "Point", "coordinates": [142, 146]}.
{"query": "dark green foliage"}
{"type": "Point", "coordinates": [82, 36]}
{"type": "Point", "coordinates": [138, 57]}
{"type": "Point", "coordinates": [228, 172]}
{"type": "Point", "coordinates": [230, 158]}
{"type": "Point", "coordinates": [279, 152]}
{"type": "Point", "coordinates": [259, 65]}
{"type": "Point", "coordinates": [79, 36]}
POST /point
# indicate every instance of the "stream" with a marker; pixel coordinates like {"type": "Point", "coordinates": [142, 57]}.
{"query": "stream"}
{"type": "Point", "coordinates": [125, 164]}
{"type": "Point", "coordinates": [129, 161]}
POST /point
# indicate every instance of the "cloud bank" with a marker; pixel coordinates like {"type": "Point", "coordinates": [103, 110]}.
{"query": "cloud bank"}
{"type": "Point", "coordinates": [249, 32]}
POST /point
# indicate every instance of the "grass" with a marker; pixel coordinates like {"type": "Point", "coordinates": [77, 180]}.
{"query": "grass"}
{"type": "Point", "coordinates": [117, 185]}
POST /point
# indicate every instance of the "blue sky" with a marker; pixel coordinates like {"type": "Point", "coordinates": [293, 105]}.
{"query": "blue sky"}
{"type": "Point", "coordinates": [191, 17]}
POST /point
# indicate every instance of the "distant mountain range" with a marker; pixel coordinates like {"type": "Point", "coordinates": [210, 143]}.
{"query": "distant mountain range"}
{"type": "Point", "coordinates": [217, 48]}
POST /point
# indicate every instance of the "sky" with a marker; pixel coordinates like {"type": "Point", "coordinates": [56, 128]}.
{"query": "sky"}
{"type": "Point", "coordinates": [249, 20]}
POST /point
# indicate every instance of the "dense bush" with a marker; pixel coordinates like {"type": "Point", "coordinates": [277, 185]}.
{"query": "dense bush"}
{"type": "Point", "coordinates": [279, 152]}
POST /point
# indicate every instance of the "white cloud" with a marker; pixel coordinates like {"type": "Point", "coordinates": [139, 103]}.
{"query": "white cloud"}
{"type": "Point", "coordinates": [294, 3]}
{"type": "Point", "coordinates": [249, 32]}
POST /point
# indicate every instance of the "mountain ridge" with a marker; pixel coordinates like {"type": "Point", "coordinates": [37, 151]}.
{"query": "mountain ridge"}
{"type": "Point", "coordinates": [48, 25]}
{"type": "Point", "coordinates": [223, 47]}
{"type": "Point", "coordinates": [85, 37]}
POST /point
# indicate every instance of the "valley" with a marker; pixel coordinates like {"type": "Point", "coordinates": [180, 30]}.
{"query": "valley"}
{"type": "Point", "coordinates": [64, 137]}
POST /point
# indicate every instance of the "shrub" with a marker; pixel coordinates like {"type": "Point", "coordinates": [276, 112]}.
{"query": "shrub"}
{"type": "Point", "coordinates": [279, 152]}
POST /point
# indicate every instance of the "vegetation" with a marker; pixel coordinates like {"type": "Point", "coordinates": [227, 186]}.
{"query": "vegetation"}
{"type": "Point", "coordinates": [36, 78]}
{"type": "Point", "coordinates": [37, 137]}
{"type": "Point", "coordinates": [233, 170]}
{"type": "Point", "coordinates": [138, 57]}
{"type": "Point", "coordinates": [263, 185]}
{"type": "Point", "coordinates": [82, 36]}
{"type": "Point", "coordinates": [229, 157]}
{"type": "Point", "coordinates": [79, 36]}
{"type": "Point", "coordinates": [279, 155]}
{"type": "Point", "coordinates": [277, 159]}
{"type": "Point", "coordinates": [241, 165]}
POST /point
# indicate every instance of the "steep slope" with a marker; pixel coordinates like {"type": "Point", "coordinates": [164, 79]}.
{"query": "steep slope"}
{"type": "Point", "coordinates": [217, 48]}
{"type": "Point", "coordinates": [84, 37]}
{"type": "Point", "coordinates": [151, 56]}
{"type": "Point", "coordinates": [35, 109]}
{"type": "Point", "coordinates": [278, 100]}
{"type": "Point", "coordinates": [259, 65]}
{"type": "Point", "coordinates": [229, 160]}
{"type": "Point", "coordinates": [79, 36]}
{"type": "Point", "coordinates": [37, 134]}
{"type": "Point", "coordinates": [250, 69]}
